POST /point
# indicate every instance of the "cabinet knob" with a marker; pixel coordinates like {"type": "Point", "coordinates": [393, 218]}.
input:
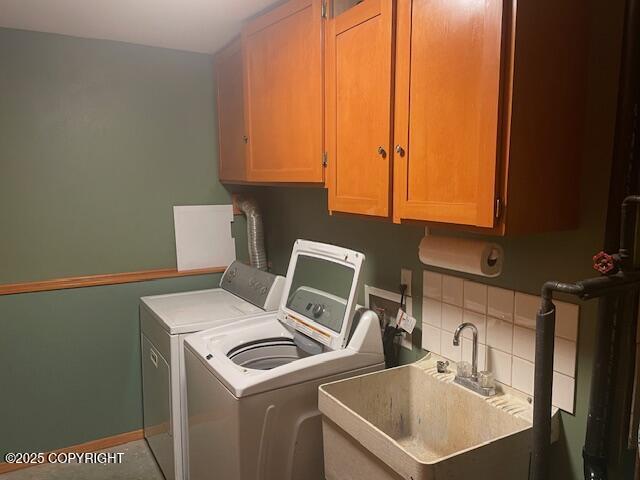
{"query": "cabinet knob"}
{"type": "Point", "coordinates": [245, 139]}
{"type": "Point", "coordinates": [382, 152]}
{"type": "Point", "coordinates": [400, 150]}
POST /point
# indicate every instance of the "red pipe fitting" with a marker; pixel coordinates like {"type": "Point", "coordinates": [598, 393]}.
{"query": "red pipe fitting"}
{"type": "Point", "coordinates": [604, 263]}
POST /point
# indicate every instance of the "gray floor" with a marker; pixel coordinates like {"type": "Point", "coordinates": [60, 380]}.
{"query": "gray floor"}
{"type": "Point", "coordinates": [137, 464]}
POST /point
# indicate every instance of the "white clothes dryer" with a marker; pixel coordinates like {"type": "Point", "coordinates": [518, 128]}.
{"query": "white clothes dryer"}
{"type": "Point", "coordinates": [165, 320]}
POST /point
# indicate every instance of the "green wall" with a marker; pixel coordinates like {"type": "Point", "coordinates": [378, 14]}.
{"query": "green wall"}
{"type": "Point", "coordinates": [293, 213]}
{"type": "Point", "coordinates": [71, 363]}
{"type": "Point", "coordinates": [98, 140]}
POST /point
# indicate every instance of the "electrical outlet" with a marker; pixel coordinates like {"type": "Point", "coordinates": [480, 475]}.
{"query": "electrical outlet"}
{"type": "Point", "coordinates": [405, 279]}
{"type": "Point", "coordinates": [386, 303]}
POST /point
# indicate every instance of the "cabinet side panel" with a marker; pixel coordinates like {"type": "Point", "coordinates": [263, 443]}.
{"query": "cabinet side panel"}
{"type": "Point", "coordinates": [543, 182]}
{"type": "Point", "coordinates": [230, 113]}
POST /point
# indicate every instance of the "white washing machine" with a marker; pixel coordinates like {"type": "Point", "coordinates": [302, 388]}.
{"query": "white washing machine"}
{"type": "Point", "coordinates": [164, 321]}
{"type": "Point", "coordinates": [252, 387]}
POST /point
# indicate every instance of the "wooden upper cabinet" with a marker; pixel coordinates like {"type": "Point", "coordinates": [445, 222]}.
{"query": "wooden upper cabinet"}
{"type": "Point", "coordinates": [359, 108]}
{"type": "Point", "coordinates": [447, 110]}
{"type": "Point", "coordinates": [283, 93]}
{"type": "Point", "coordinates": [461, 113]}
{"type": "Point", "coordinates": [489, 104]}
{"type": "Point", "coordinates": [229, 78]}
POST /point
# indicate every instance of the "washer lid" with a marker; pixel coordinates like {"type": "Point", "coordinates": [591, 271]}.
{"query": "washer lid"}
{"type": "Point", "coordinates": [192, 311]}
{"type": "Point", "coordinates": [320, 289]}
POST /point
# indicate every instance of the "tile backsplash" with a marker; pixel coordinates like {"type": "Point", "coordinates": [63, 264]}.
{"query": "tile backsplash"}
{"type": "Point", "coordinates": [506, 323]}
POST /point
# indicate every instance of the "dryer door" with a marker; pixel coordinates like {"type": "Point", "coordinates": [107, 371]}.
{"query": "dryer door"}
{"type": "Point", "coordinates": [156, 394]}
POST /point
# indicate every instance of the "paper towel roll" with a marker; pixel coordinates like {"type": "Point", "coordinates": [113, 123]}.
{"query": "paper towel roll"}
{"type": "Point", "coordinates": [462, 254]}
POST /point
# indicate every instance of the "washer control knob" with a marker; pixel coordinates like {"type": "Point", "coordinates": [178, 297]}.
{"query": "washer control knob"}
{"type": "Point", "coordinates": [318, 310]}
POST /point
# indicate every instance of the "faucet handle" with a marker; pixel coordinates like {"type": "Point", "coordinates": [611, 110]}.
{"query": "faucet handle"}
{"type": "Point", "coordinates": [486, 379]}
{"type": "Point", "coordinates": [464, 369]}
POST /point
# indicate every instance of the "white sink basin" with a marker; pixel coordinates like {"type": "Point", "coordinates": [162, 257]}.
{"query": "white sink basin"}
{"type": "Point", "coordinates": [412, 423]}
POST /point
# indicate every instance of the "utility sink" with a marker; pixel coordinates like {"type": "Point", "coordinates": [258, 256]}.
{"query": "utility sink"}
{"type": "Point", "coordinates": [413, 423]}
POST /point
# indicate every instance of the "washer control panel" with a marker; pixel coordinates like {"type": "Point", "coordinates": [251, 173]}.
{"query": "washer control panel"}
{"type": "Point", "coordinates": [321, 307]}
{"type": "Point", "coordinates": [249, 283]}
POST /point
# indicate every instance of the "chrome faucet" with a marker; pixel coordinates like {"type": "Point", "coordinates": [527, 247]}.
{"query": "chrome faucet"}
{"type": "Point", "coordinates": [474, 354]}
{"type": "Point", "coordinates": [483, 383]}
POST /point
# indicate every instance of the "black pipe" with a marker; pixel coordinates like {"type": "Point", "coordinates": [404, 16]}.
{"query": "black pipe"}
{"type": "Point", "coordinates": [625, 280]}
{"type": "Point", "coordinates": [545, 337]}
{"type": "Point", "coordinates": [626, 232]}
{"type": "Point", "coordinates": [543, 377]}
{"type": "Point", "coordinates": [543, 385]}
{"type": "Point", "coordinates": [595, 448]}
{"type": "Point", "coordinates": [611, 321]}
{"type": "Point", "coordinates": [591, 287]}
{"type": "Point", "coordinates": [601, 286]}
{"type": "Point", "coordinates": [613, 375]}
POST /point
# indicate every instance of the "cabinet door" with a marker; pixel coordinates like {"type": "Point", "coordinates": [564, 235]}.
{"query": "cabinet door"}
{"type": "Point", "coordinates": [359, 83]}
{"type": "Point", "coordinates": [447, 108]}
{"type": "Point", "coordinates": [283, 70]}
{"type": "Point", "coordinates": [228, 65]}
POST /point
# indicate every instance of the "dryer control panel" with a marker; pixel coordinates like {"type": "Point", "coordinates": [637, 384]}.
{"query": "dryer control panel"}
{"type": "Point", "coordinates": [262, 289]}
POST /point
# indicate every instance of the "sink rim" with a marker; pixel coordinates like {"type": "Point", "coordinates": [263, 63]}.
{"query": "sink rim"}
{"type": "Point", "coordinates": [446, 378]}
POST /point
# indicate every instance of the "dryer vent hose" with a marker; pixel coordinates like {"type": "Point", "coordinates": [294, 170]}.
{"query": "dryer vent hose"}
{"type": "Point", "coordinates": [255, 232]}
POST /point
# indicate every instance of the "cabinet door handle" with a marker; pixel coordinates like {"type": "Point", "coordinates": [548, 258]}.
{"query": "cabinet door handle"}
{"type": "Point", "coordinates": [400, 150]}
{"type": "Point", "coordinates": [245, 139]}
{"type": "Point", "coordinates": [382, 152]}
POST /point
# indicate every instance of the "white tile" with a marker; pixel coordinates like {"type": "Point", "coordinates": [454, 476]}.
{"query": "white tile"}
{"type": "Point", "coordinates": [451, 317]}
{"type": "Point", "coordinates": [475, 296]}
{"type": "Point", "coordinates": [431, 338]}
{"type": "Point", "coordinates": [447, 349]}
{"type": "Point", "coordinates": [564, 357]}
{"type": "Point", "coordinates": [500, 303]}
{"type": "Point", "coordinates": [522, 375]}
{"type": "Point", "coordinates": [467, 353]}
{"type": "Point", "coordinates": [567, 320]}
{"type": "Point", "coordinates": [480, 321]}
{"type": "Point", "coordinates": [563, 392]}
{"type": "Point", "coordinates": [525, 309]}
{"type": "Point", "coordinates": [432, 284]}
{"type": "Point", "coordinates": [432, 312]}
{"type": "Point", "coordinates": [500, 364]}
{"type": "Point", "coordinates": [524, 343]}
{"type": "Point", "coordinates": [500, 334]}
{"type": "Point", "coordinates": [452, 290]}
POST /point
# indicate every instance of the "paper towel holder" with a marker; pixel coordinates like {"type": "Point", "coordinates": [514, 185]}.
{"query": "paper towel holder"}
{"type": "Point", "coordinates": [467, 255]}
